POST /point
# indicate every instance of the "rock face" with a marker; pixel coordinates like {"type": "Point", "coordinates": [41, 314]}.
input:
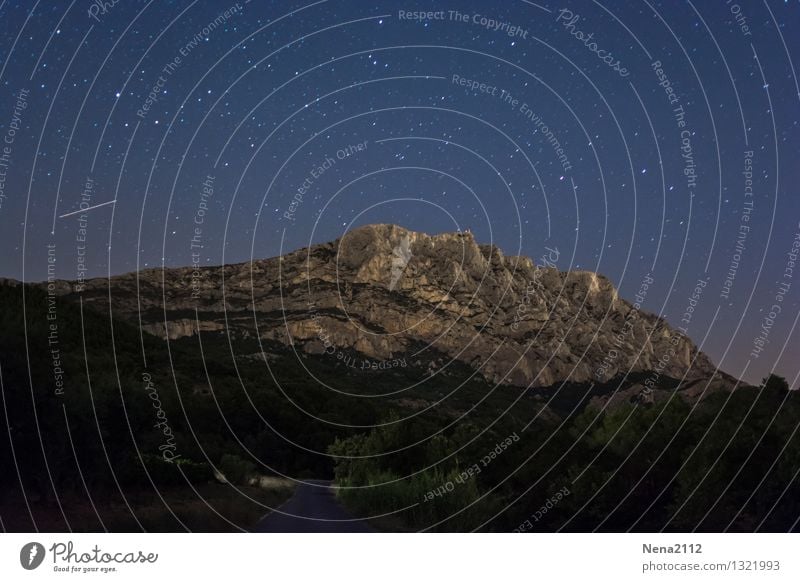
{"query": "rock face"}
{"type": "Point", "coordinates": [388, 293]}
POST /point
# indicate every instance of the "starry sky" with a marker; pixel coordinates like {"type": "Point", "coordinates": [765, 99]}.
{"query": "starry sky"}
{"type": "Point", "coordinates": [637, 138]}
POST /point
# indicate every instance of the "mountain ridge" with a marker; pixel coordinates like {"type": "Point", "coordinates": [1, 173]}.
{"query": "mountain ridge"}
{"type": "Point", "coordinates": [386, 292]}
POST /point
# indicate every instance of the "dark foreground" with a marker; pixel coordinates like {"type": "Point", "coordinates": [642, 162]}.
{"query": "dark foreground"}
{"type": "Point", "coordinates": [312, 508]}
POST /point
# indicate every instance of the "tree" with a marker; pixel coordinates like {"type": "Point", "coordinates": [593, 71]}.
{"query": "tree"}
{"type": "Point", "coordinates": [775, 382]}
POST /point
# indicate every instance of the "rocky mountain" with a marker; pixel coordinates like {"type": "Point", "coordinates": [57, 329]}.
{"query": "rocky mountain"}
{"type": "Point", "coordinates": [383, 296]}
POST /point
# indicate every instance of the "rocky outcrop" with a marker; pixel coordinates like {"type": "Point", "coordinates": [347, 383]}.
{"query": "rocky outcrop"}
{"type": "Point", "coordinates": [384, 292]}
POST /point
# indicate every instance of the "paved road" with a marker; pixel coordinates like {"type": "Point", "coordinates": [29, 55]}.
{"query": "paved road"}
{"type": "Point", "coordinates": [312, 508]}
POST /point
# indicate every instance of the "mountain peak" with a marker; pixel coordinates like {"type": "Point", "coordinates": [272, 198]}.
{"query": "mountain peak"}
{"type": "Point", "coordinates": [383, 236]}
{"type": "Point", "coordinates": [381, 253]}
{"type": "Point", "coordinates": [384, 291]}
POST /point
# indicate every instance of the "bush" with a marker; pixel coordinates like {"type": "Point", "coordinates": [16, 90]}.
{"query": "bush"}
{"type": "Point", "coordinates": [235, 469]}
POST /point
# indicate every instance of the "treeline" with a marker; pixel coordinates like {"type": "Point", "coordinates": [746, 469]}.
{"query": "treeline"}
{"type": "Point", "coordinates": [729, 463]}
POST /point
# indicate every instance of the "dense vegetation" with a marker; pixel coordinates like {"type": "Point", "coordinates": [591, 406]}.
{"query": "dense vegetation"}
{"type": "Point", "coordinates": [140, 434]}
{"type": "Point", "coordinates": [729, 463]}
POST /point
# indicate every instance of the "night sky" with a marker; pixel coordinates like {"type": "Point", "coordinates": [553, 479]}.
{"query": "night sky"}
{"type": "Point", "coordinates": [635, 138]}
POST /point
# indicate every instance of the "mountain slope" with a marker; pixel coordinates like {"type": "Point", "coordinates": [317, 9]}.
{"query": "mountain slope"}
{"type": "Point", "coordinates": [383, 296]}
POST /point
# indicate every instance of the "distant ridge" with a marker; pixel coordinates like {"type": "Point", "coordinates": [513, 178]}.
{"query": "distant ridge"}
{"type": "Point", "coordinates": [383, 293]}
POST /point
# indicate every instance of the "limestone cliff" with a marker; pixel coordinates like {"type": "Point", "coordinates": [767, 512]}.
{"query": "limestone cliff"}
{"type": "Point", "coordinates": [385, 292]}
